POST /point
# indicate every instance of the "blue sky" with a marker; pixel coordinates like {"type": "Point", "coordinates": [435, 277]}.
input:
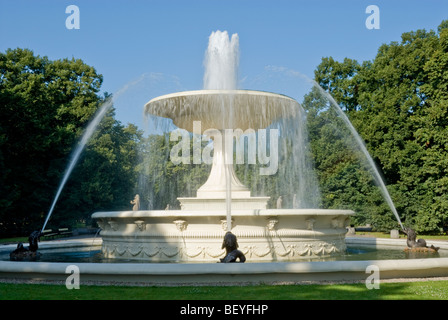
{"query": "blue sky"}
{"type": "Point", "coordinates": [163, 42]}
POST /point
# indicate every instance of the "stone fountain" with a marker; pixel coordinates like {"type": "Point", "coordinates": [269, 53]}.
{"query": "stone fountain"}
{"type": "Point", "coordinates": [195, 232]}
{"type": "Point", "coordinates": [286, 236]}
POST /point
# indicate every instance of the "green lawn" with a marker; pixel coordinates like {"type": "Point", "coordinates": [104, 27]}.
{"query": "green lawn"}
{"type": "Point", "coordinates": [425, 290]}
{"type": "Point", "coordinates": [13, 240]}
{"type": "Point", "coordinates": [402, 236]}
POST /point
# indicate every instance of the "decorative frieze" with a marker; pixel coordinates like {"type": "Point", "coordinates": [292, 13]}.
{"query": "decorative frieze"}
{"type": "Point", "coordinates": [257, 252]}
{"type": "Point", "coordinates": [272, 223]}
{"type": "Point", "coordinates": [263, 235]}
{"type": "Point", "coordinates": [340, 222]}
{"type": "Point", "coordinates": [141, 225]}
{"type": "Point", "coordinates": [113, 224]}
{"type": "Point", "coordinates": [310, 223]}
{"type": "Point", "coordinates": [181, 225]}
{"type": "Point", "coordinates": [224, 224]}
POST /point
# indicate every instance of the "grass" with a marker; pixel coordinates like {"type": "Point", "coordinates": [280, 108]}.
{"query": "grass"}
{"type": "Point", "coordinates": [402, 236]}
{"type": "Point", "coordinates": [13, 240]}
{"type": "Point", "coordinates": [423, 290]}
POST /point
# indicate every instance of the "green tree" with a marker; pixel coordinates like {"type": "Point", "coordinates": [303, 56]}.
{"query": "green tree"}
{"type": "Point", "coordinates": [397, 102]}
{"type": "Point", "coordinates": [432, 137]}
{"type": "Point", "coordinates": [161, 181]}
{"type": "Point", "coordinates": [338, 79]}
{"type": "Point", "coordinates": [44, 106]}
{"type": "Point", "coordinates": [105, 177]}
{"type": "Point", "coordinates": [345, 180]}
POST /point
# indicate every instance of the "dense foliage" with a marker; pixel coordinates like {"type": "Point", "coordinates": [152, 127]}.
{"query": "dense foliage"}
{"type": "Point", "coordinates": [45, 105]}
{"type": "Point", "coordinates": [398, 102]}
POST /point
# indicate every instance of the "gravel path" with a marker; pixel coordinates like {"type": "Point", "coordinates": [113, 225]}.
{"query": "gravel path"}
{"type": "Point", "coordinates": [146, 284]}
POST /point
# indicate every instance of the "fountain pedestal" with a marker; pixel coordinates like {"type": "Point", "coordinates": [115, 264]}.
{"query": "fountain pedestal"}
{"type": "Point", "coordinates": [212, 194]}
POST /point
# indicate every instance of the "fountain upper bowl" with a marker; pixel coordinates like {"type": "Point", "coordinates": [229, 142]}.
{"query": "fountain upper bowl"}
{"type": "Point", "coordinates": [223, 109]}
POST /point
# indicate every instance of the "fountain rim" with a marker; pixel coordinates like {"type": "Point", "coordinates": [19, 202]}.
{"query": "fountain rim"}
{"type": "Point", "coordinates": [209, 92]}
{"type": "Point", "coordinates": [208, 213]}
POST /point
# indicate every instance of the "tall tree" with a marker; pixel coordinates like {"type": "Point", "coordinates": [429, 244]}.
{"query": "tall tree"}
{"type": "Point", "coordinates": [106, 175]}
{"type": "Point", "coordinates": [44, 106]}
{"type": "Point", "coordinates": [397, 102]}
{"type": "Point", "coordinates": [432, 137]}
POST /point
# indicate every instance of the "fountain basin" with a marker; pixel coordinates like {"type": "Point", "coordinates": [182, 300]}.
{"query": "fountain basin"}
{"type": "Point", "coordinates": [220, 273]}
{"type": "Point", "coordinates": [196, 236]}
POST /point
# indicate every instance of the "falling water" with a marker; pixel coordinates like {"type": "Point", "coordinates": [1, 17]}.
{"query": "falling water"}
{"type": "Point", "coordinates": [221, 73]}
{"type": "Point", "coordinates": [290, 76]}
{"type": "Point", "coordinates": [298, 174]}
{"type": "Point", "coordinates": [77, 152]}
{"type": "Point", "coordinates": [90, 129]}
{"type": "Point", "coordinates": [363, 148]}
